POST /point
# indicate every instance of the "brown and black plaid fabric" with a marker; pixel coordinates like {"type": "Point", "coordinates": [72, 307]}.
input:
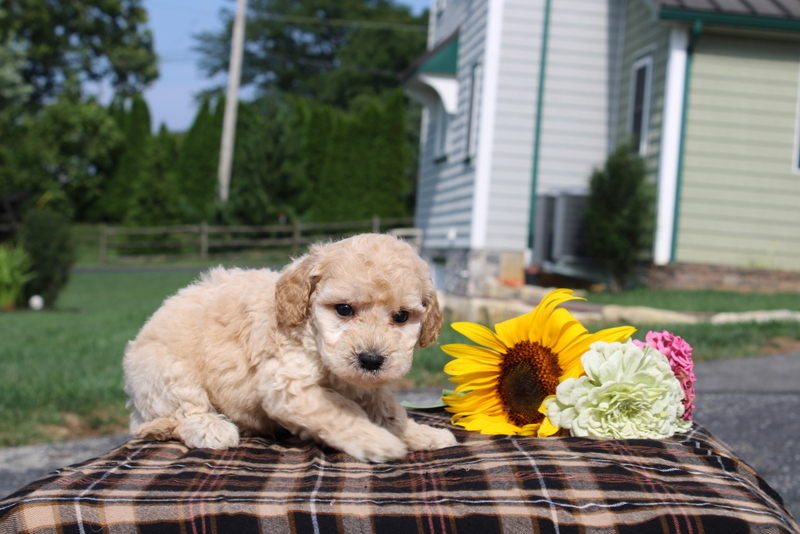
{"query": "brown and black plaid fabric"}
{"type": "Point", "coordinates": [690, 484]}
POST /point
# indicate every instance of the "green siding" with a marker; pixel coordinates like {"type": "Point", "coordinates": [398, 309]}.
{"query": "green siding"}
{"type": "Point", "coordinates": [740, 201]}
{"type": "Point", "coordinates": [643, 32]}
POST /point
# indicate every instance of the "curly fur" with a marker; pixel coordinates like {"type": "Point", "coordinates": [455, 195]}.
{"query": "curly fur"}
{"type": "Point", "coordinates": [251, 351]}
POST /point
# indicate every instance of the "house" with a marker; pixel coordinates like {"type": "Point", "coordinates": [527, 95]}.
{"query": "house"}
{"type": "Point", "coordinates": [523, 98]}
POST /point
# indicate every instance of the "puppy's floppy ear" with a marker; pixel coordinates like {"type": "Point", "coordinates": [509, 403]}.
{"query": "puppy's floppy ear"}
{"type": "Point", "coordinates": [293, 291]}
{"type": "Point", "coordinates": [432, 321]}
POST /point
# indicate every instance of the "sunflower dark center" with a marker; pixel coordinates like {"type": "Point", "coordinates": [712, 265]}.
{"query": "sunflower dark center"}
{"type": "Point", "coordinates": [528, 374]}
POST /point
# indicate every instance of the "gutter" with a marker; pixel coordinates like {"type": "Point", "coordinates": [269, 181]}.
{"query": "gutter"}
{"type": "Point", "coordinates": [537, 136]}
{"type": "Point", "coordinates": [729, 19]}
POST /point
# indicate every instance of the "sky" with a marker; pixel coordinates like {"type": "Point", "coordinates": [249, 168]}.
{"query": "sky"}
{"type": "Point", "coordinates": [173, 23]}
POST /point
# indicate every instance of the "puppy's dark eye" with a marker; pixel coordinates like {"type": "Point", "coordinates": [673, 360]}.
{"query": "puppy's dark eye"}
{"type": "Point", "coordinates": [400, 317]}
{"type": "Point", "coordinates": [345, 310]}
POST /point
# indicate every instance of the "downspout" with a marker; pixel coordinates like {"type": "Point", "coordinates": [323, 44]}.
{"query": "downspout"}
{"type": "Point", "coordinates": [537, 135]}
{"type": "Point", "coordinates": [697, 31]}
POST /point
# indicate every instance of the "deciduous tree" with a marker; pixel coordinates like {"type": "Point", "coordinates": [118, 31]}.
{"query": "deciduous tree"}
{"type": "Point", "coordinates": [68, 43]}
{"type": "Point", "coordinates": [329, 51]}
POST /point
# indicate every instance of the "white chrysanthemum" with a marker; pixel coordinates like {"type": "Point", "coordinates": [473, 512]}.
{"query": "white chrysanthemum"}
{"type": "Point", "coordinates": [626, 393]}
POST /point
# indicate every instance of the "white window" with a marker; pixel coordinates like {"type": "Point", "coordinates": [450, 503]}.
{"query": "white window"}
{"type": "Point", "coordinates": [441, 122]}
{"type": "Point", "coordinates": [474, 104]}
{"type": "Point", "coordinates": [641, 88]}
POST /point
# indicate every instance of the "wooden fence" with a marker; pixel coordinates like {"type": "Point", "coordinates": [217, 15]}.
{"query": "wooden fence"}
{"type": "Point", "coordinates": [203, 240]}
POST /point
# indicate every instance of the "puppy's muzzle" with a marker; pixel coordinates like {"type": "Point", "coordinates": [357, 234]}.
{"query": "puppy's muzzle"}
{"type": "Point", "coordinates": [370, 361]}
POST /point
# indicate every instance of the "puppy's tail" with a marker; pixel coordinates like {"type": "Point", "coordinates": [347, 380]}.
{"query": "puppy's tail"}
{"type": "Point", "coordinates": [161, 429]}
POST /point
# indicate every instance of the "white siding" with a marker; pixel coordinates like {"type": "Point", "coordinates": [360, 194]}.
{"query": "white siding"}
{"type": "Point", "coordinates": [446, 188]}
{"type": "Point", "coordinates": [578, 92]}
{"type": "Point", "coordinates": [512, 152]}
{"type": "Point", "coordinates": [578, 113]}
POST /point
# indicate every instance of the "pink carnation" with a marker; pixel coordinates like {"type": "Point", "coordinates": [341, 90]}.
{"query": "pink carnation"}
{"type": "Point", "coordinates": [679, 355]}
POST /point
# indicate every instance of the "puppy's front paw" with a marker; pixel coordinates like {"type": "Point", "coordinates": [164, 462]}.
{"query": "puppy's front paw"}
{"type": "Point", "coordinates": [207, 431]}
{"type": "Point", "coordinates": [423, 437]}
{"type": "Point", "coordinates": [376, 446]}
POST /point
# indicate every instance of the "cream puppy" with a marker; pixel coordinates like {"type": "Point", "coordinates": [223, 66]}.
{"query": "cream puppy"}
{"type": "Point", "coordinates": [310, 349]}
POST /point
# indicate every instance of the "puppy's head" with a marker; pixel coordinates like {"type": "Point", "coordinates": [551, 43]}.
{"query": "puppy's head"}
{"type": "Point", "coordinates": [369, 301]}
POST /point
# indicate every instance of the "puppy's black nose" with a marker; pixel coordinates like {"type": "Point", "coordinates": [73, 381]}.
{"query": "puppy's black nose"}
{"type": "Point", "coordinates": [370, 361]}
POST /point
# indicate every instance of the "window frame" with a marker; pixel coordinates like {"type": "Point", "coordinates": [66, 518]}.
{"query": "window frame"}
{"type": "Point", "coordinates": [441, 124]}
{"type": "Point", "coordinates": [645, 61]}
{"type": "Point", "coordinates": [476, 83]}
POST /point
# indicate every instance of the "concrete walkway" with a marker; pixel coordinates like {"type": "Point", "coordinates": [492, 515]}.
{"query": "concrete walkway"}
{"type": "Point", "coordinates": [752, 404]}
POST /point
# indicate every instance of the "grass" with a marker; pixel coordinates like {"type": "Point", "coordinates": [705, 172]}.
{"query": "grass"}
{"type": "Point", "coordinates": [62, 369]}
{"type": "Point", "coordinates": [706, 301]}
{"type": "Point", "coordinates": [62, 375]}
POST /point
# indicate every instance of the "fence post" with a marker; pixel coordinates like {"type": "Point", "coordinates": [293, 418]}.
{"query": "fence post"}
{"type": "Point", "coordinates": [376, 224]}
{"type": "Point", "coordinates": [103, 243]}
{"type": "Point", "coordinates": [295, 237]}
{"type": "Point", "coordinates": [204, 240]}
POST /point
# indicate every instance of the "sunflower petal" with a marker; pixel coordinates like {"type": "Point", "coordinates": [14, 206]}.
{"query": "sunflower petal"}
{"type": "Point", "coordinates": [530, 430]}
{"type": "Point", "coordinates": [489, 425]}
{"type": "Point", "coordinates": [609, 335]}
{"type": "Point", "coordinates": [475, 386]}
{"type": "Point", "coordinates": [455, 367]}
{"type": "Point", "coordinates": [471, 352]}
{"type": "Point", "coordinates": [472, 401]}
{"type": "Point", "coordinates": [500, 427]}
{"type": "Point", "coordinates": [547, 429]}
{"type": "Point", "coordinates": [480, 334]}
{"type": "Point", "coordinates": [561, 328]}
{"type": "Point", "coordinates": [515, 330]}
{"type": "Point", "coordinates": [546, 307]}
{"type": "Point", "coordinates": [479, 377]}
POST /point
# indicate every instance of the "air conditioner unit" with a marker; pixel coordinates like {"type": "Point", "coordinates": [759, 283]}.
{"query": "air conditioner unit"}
{"type": "Point", "coordinates": [558, 234]}
{"type": "Point", "coordinates": [568, 233]}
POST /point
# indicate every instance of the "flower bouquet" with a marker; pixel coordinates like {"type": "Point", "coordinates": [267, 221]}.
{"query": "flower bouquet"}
{"type": "Point", "coordinates": [543, 374]}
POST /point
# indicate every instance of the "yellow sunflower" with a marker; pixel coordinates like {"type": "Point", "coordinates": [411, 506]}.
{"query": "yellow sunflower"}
{"type": "Point", "coordinates": [508, 379]}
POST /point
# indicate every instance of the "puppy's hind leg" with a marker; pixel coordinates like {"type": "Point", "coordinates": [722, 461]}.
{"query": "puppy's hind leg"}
{"type": "Point", "coordinates": [169, 403]}
{"type": "Point", "coordinates": [207, 431]}
{"type": "Point", "coordinates": [161, 429]}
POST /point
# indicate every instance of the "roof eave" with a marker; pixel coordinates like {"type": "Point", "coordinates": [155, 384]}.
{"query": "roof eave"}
{"type": "Point", "coordinates": [729, 19]}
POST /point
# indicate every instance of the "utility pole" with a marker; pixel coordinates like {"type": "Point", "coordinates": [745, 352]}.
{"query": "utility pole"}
{"type": "Point", "coordinates": [231, 101]}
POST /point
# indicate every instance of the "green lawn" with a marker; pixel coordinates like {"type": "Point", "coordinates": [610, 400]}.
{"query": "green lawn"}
{"type": "Point", "coordinates": [699, 301]}
{"type": "Point", "coordinates": [61, 370]}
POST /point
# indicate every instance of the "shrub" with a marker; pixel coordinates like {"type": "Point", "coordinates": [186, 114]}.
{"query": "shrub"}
{"type": "Point", "coordinates": [45, 236]}
{"type": "Point", "coordinates": [619, 214]}
{"type": "Point", "coordinates": [14, 266]}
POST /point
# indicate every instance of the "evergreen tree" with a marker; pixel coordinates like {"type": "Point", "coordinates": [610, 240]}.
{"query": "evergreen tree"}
{"type": "Point", "coordinates": [199, 163]}
{"type": "Point", "coordinates": [363, 173]}
{"type": "Point", "coordinates": [132, 166]}
{"type": "Point", "coordinates": [267, 177]}
{"type": "Point", "coordinates": [154, 198]}
{"type": "Point", "coordinates": [320, 125]}
{"type": "Point", "coordinates": [619, 214]}
{"type": "Point", "coordinates": [390, 152]}
{"type": "Point", "coordinates": [338, 173]}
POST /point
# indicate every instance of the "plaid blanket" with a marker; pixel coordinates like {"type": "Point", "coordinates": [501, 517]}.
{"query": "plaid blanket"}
{"type": "Point", "coordinates": [692, 483]}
